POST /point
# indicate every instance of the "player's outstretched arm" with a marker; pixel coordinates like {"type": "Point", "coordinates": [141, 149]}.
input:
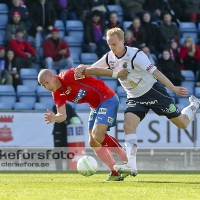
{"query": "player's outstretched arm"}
{"type": "Point", "coordinates": [181, 91]}
{"type": "Point", "coordinates": [98, 71]}
{"type": "Point", "coordinates": [51, 117]}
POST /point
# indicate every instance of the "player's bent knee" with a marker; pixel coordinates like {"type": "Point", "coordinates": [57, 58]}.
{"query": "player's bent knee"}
{"type": "Point", "coordinates": [92, 143]}
{"type": "Point", "coordinates": [182, 125]}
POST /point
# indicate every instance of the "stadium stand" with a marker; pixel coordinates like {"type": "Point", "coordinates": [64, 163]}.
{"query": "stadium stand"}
{"type": "Point", "coordinates": [26, 94]}
{"type": "Point", "coordinates": [119, 10]}
{"type": "Point", "coordinates": [7, 95]}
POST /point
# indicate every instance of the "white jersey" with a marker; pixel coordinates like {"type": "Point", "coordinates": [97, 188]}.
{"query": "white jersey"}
{"type": "Point", "coordinates": [140, 79]}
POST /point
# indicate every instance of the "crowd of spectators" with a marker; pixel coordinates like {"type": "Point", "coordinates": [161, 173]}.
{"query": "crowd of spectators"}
{"type": "Point", "coordinates": [154, 29]}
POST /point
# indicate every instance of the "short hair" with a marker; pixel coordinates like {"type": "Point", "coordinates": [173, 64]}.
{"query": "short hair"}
{"type": "Point", "coordinates": [117, 31]}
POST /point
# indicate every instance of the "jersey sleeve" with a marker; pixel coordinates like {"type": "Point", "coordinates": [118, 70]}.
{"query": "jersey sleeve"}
{"type": "Point", "coordinates": [103, 63]}
{"type": "Point", "coordinates": [59, 101]}
{"type": "Point", "coordinates": [142, 62]}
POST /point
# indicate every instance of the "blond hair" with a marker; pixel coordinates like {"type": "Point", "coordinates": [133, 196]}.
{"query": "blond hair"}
{"type": "Point", "coordinates": [117, 31]}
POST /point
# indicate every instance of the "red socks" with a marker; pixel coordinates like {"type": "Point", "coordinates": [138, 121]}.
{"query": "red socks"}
{"type": "Point", "coordinates": [113, 145]}
{"type": "Point", "coordinates": [106, 156]}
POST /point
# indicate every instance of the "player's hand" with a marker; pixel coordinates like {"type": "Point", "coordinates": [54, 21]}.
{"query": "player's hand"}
{"type": "Point", "coordinates": [49, 117]}
{"type": "Point", "coordinates": [122, 73]}
{"type": "Point", "coordinates": [79, 71]}
{"type": "Point", "coordinates": [180, 91]}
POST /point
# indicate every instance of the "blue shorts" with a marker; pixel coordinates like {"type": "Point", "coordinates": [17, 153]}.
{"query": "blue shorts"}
{"type": "Point", "coordinates": [106, 113]}
{"type": "Point", "coordinates": [156, 99]}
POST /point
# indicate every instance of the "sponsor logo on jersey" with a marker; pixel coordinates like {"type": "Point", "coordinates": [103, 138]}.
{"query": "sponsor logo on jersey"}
{"type": "Point", "coordinates": [69, 89]}
{"type": "Point", "coordinates": [81, 93]}
{"type": "Point", "coordinates": [125, 65]}
{"type": "Point", "coordinates": [102, 111]}
{"type": "Point", "coordinates": [149, 67]}
{"type": "Point", "coordinates": [172, 108]}
{"type": "Point", "coordinates": [110, 120]}
{"type": "Point", "coordinates": [148, 102]}
{"type": "Point", "coordinates": [134, 84]}
{"type": "Point", "coordinates": [91, 116]}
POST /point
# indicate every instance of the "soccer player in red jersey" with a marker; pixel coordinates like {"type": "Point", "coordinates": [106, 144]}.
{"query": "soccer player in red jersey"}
{"type": "Point", "coordinates": [103, 102]}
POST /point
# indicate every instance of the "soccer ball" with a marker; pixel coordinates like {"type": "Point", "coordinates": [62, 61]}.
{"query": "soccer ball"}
{"type": "Point", "coordinates": [87, 166]}
{"type": "Point", "coordinates": [75, 121]}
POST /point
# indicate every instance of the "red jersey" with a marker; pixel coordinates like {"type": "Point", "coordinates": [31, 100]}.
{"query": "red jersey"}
{"type": "Point", "coordinates": [87, 90]}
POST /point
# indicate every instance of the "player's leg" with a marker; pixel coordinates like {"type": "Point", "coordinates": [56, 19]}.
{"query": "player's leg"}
{"type": "Point", "coordinates": [131, 122]}
{"type": "Point", "coordinates": [106, 114]}
{"type": "Point", "coordinates": [187, 114]}
{"type": "Point", "coordinates": [104, 154]}
{"type": "Point", "coordinates": [97, 132]}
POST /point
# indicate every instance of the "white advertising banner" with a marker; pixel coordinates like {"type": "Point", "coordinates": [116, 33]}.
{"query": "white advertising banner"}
{"type": "Point", "coordinates": [153, 131]}
{"type": "Point", "coordinates": [25, 130]}
{"type": "Point", "coordinates": [29, 130]}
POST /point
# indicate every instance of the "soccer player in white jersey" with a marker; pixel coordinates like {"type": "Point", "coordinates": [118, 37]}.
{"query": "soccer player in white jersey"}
{"type": "Point", "coordinates": [145, 90]}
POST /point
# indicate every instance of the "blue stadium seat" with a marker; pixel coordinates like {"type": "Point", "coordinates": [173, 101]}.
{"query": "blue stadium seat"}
{"type": "Point", "coordinates": [82, 107]}
{"type": "Point", "coordinates": [47, 101]}
{"type": "Point", "coordinates": [1, 40]}
{"type": "Point", "coordinates": [75, 58]}
{"type": "Point", "coordinates": [126, 24]}
{"type": "Point", "coordinates": [122, 107]}
{"type": "Point", "coordinates": [111, 83]}
{"type": "Point", "coordinates": [5, 106]}
{"type": "Point", "coordinates": [26, 95]}
{"type": "Point", "coordinates": [123, 100]}
{"type": "Point", "coordinates": [188, 74]}
{"type": "Point", "coordinates": [74, 28]}
{"type": "Point", "coordinates": [28, 73]}
{"type": "Point", "coordinates": [197, 92]}
{"type": "Point", "coordinates": [40, 106]}
{"type": "Point", "coordinates": [22, 106]}
{"type": "Point", "coordinates": [89, 58]}
{"type": "Point", "coordinates": [187, 27]}
{"type": "Point", "coordinates": [119, 10]}
{"type": "Point", "coordinates": [73, 41]}
{"type": "Point", "coordinates": [7, 95]}
{"type": "Point", "coordinates": [184, 101]}
{"type": "Point", "coordinates": [77, 50]}
{"type": "Point", "coordinates": [188, 83]}
{"type": "Point", "coordinates": [121, 92]}
{"type": "Point", "coordinates": [62, 70]}
{"type": "Point", "coordinates": [180, 106]}
{"type": "Point", "coordinates": [60, 26]}
{"type": "Point", "coordinates": [45, 97]}
{"type": "Point", "coordinates": [3, 8]}
{"type": "Point", "coordinates": [29, 77]}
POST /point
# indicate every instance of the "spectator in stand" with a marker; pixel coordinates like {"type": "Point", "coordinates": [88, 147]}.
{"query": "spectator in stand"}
{"type": "Point", "coordinates": [42, 17]}
{"type": "Point", "coordinates": [192, 10]}
{"type": "Point", "coordinates": [81, 8]}
{"type": "Point", "coordinates": [24, 52]}
{"type": "Point", "coordinates": [14, 24]}
{"type": "Point", "coordinates": [64, 10]}
{"type": "Point", "coordinates": [113, 20]}
{"type": "Point", "coordinates": [190, 53]}
{"type": "Point", "coordinates": [132, 8]}
{"type": "Point", "coordinates": [174, 53]}
{"type": "Point", "coordinates": [102, 47]}
{"type": "Point", "coordinates": [11, 67]}
{"type": "Point", "coordinates": [147, 51]}
{"type": "Point", "coordinates": [56, 52]}
{"type": "Point", "coordinates": [99, 5]}
{"type": "Point", "coordinates": [93, 31]}
{"type": "Point", "coordinates": [156, 8]}
{"type": "Point", "coordinates": [5, 78]}
{"type": "Point", "coordinates": [138, 33]}
{"type": "Point", "coordinates": [16, 7]}
{"type": "Point", "coordinates": [129, 39]}
{"type": "Point", "coordinates": [2, 53]}
{"type": "Point", "coordinates": [152, 34]}
{"type": "Point", "coordinates": [168, 31]}
{"type": "Point", "coordinates": [169, 68]}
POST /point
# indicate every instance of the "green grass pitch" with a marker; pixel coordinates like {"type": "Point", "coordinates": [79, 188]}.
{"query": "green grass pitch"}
{"type": "Point", "coordinates": [64, 185]}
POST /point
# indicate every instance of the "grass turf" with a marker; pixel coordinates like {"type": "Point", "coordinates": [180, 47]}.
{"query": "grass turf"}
{"type": "Point", "coordinates": [64, 185]}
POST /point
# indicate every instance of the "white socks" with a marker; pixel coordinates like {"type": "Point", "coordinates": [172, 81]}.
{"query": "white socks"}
{"type": "Point", "coordinates": [190, 111]}
{"type": "Point", "coordinates": [131, 149]}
